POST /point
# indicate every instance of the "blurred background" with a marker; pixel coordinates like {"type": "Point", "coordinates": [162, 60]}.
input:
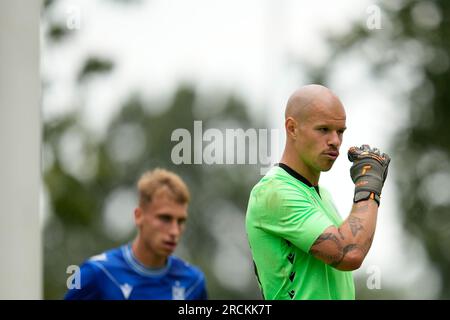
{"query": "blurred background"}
{"type": "Point", "coordinates": [119, 76]}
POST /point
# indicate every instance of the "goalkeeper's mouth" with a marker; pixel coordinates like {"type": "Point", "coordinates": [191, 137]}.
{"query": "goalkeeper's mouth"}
{"type": "Point", "coordinates": [332, 154]}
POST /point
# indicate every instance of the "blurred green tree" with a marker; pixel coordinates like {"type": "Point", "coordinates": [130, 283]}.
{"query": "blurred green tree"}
{"type": "Point", "coordinates": [84, 172]}
{"type": "Point", "coordinates": [76, 229]}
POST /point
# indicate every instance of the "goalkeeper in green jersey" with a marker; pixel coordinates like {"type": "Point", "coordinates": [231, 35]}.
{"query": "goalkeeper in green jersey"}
{"type": "Point", "coordinates": [301, 247]}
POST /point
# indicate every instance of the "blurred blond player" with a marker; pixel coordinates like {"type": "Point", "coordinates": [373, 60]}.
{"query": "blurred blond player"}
{"type": "Point", "coordinates": [146, 268]}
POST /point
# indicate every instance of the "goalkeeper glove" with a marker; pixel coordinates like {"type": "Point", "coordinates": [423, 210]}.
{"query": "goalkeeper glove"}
{"type": "Point", "coordinates": [368, 172]}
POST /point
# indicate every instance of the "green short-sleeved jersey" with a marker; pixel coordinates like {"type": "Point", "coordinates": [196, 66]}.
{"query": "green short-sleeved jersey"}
{"type": "Point", "coordinates": [284, 218]}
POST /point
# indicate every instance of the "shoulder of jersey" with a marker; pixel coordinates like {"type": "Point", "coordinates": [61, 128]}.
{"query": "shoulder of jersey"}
{"type": "Point", "coordinates": [108, 257]}
{"type": "Point", "coordinates": [180, 266]}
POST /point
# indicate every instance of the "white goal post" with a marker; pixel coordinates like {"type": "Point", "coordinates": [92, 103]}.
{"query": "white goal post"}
{"type": "Point", "coordinates": [20, 143]}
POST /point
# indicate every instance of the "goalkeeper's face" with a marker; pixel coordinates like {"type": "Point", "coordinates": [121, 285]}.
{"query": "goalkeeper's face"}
{"type": "Point", "coordinates": [320, 136]}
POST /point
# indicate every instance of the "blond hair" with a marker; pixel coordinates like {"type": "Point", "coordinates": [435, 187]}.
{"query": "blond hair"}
{"type": "Point", "coordinates": [158, 179]}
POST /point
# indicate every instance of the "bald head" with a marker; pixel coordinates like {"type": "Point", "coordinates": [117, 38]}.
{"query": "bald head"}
{"type": "Point", "coordinates": [315, 125]}
{"type": "Point", "coordinates": [303, 102]}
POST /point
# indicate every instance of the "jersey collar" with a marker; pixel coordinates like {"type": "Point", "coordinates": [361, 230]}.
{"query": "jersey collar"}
{"type": "Point", "coordinates": [137, 266]}
{"type": "Point", "coordinates": [298, 176]}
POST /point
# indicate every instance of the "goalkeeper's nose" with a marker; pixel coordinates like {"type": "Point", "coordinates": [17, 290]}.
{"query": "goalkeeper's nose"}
{"type": "Point", "coordinates": [335, 140]}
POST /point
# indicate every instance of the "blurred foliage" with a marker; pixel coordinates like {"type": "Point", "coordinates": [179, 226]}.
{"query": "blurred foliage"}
{"type": "Point", "coordinates": [415, 36]}
{"type": "Point", "coordinates": [138, 138]}
{"type": "Point", "coordinates": [48, 3]}
{"type": "Point", "coordinates": [95, 65]}
{"type": "Point", "coordinates": [74, 231]}
{"type": "Point", "coordinates": [57, 32]}
{"type": "Point", "coordinates": [57, 21]}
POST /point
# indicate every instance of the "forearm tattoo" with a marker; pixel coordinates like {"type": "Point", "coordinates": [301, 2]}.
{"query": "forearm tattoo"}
{"type": "Point", "coordinates": [323, 255]}
{"type": "Point", "coordinates": [341, 234]}
{"type": "Point", "coordinates": [341, 249]}
{"type": "Point", "coordinates": [345, 250]}
{"type": "Point", "coordinates": [343, 242]}
{"type": "Point", "coordinates": [355, 224]}
{"type": "Point", "coordinates": [327, 236]}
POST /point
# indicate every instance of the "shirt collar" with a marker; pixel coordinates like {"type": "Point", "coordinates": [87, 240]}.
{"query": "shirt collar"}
{"type": "Point", "coordinates": [137, 266]}
{"type": "Point", "coordinates": [298, 176]}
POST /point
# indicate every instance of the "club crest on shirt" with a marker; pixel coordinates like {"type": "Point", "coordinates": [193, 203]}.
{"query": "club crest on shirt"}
{"type": "Point", "coordinates": [178, 292]}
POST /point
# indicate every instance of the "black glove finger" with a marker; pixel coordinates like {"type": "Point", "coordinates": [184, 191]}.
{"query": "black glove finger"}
{"type": "Point", "coordinates": [353, 153]}
{"type": "Point", "coordinates": [386, 158]}
{"type": "Point", "coordinates": [365, 147]}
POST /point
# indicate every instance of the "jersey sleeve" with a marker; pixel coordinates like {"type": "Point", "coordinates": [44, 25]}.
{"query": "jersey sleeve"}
{"type": "Point", "coordinates": [294, 216]}
{"type": "Point", "coordinates": [88, 289]}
